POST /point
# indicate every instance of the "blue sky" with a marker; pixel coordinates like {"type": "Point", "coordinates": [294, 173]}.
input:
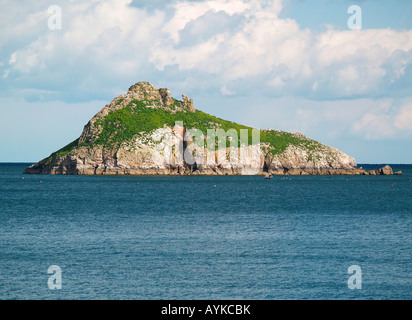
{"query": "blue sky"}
{"type": "Point", "coordinates": [314, 14]}
{"type": "Point", "coordinates": [292, 65]}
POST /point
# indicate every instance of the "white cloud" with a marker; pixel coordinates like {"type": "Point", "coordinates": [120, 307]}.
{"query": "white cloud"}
{"type": "Point", "coordinates": [13, 58]}
{"type": "Point", "coordinates": [107, 42]}
{"type": "Point", "coordinates": [277, 82]}
{"type": "Point", "coordinates": [227, 92]}
{"type": "Point", "coordinates": [386, 121]}
{"type": "Point", "coordinates": [359, 119]}
{"type": "Point", "coordinates": [403, 120]}
{"type": "Point", "coordinates": [376, 45]}
{"type": "Point", "coordinates": [186, 12]}
{"type": "Point", "coordinates": [375, 126]}
{"type": "Point", "coordinates": [341, 63]}
{"type": "Point", "coordinates": [261, 43]}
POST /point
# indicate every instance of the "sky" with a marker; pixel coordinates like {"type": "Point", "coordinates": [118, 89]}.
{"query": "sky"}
{"type": "Point", "coordinates": [292, 65]}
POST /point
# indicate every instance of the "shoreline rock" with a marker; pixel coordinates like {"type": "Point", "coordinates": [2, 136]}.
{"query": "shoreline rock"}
{"type": "Point", "coordinates": [78, 170]}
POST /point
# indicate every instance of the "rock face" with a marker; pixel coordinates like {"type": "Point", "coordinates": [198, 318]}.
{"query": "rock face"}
{"type": "Point", "coordinates": [386, 170]}
{"type": "Point", "coordinates": [147, 132]}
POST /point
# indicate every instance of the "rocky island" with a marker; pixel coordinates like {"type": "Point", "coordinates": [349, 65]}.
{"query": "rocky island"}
{"type": "Point", "coordinates": [147, 132]}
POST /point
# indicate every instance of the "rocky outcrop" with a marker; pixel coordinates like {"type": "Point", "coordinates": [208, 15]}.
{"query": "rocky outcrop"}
{"type": "Point", "coordinates": [127, 145]}
{"type": "Point", "coordinates": [166, 98]}
{"type": "Point", "coordinates": [188, 103]}
{"type": "Point", "coordinates": [386, 170]}
{"type": "Point", "coordinates": [295, 161]}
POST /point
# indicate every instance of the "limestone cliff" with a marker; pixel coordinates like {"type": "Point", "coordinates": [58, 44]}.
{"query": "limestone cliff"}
{"type": "Point", "coordinates": [147, 132]}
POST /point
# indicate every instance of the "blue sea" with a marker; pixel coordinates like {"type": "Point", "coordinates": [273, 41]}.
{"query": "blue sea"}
{"type": "Point", "coordinates": [223, 237]}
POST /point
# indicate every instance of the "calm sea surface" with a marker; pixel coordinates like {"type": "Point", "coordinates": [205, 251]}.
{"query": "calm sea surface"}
{"type": "Point", "coordinates": [183, 238]}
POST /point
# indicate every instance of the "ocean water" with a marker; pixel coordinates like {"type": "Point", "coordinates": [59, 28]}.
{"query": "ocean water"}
{"type": "Point", "coordinates": [238, 237]}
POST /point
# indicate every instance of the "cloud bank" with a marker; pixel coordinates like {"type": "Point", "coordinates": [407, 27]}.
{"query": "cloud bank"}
{"type": "Point", "coordinates": [233, 41]}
